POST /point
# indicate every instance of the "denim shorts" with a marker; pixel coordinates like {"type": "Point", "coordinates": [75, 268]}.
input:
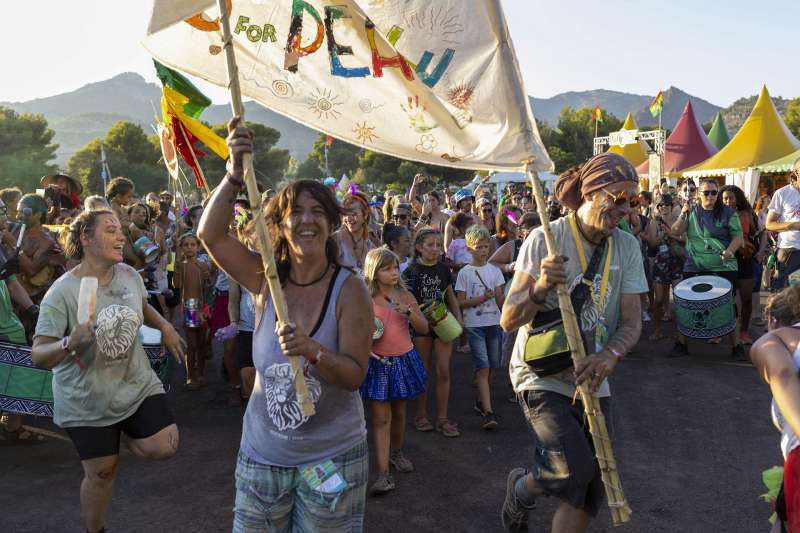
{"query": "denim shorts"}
{"type": "Point", "coordinates": [564, 464]}
{"type": "Point", "coordinates": [485, 345]}
{"type": "Point", "coordinates": [277, 499]}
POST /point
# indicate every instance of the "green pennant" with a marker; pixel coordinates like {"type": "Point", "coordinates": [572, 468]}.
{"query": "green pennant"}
{"type": "Point", "coordinates": [178, 82]}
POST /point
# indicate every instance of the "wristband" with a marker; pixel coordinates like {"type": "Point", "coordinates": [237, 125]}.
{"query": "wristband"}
{"type": "Point", "coordinates": [235, 182]}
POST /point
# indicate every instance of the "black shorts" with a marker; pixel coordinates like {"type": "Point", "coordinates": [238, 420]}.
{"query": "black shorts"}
{"type": "Point", "coordinates": [731, 275]}
{"type": "Point", "coordinates": [152, 416]}
{"type": "Point", "coordinates": [564, 464]}
{"type": "Point", "coordinates": [244, 349]}
{"type": "Point", "coordinates": [746, 267]}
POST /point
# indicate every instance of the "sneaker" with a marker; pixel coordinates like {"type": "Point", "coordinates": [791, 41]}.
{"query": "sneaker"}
{"type": "Point", "coordinates": [383, 484]}
{"type": "Point", "coordinates": [447, 428]}
{"type": "Point", "coordinates": [511, 397]}
{"type": "Point", "coordinates": [646, 316]}
{"type": "Point", "coordinates": [679, 350]}
{"type": "Point", "coordinates": [744, 338]}
{"type": "Point", "coordinates": [514, 515]}
{"type": "Point", "coordinates": [400, 462]}
{"type": "Point", "coordinates": [489, 421]}
{"type": "Point", "coordinates": [737, 353]}
{"type": "Point", "coordinates": [478, 407]}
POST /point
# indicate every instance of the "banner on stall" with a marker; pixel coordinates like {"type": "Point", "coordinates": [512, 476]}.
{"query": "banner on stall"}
{"type": "Point", "coordinates": [434, 82]}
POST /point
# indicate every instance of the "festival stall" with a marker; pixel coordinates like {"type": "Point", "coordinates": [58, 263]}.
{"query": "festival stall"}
{"type": "Point", "coordinates": [763, 138]}
{"type": "Point", "coordinates": [718, 134]}
{"type": "Point", "coordinates": [635, 153]}
{"type": "Point", "coordinates": [776, 173]}
{"type": "Point", "coordinates": [686, 146]}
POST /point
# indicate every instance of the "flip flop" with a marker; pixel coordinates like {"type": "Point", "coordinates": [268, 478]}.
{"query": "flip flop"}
{"type": "Point", "coordinates": [655, 337]}
{"type": "Point", "coordinates": [423, 424]}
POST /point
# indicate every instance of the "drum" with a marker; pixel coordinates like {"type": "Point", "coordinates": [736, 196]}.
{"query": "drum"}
{"type": "Point", "coordinates": [24, 389]}
{"type": "Point", "coordinates": [146, 249]}
{"type": "Point", "coordinates": [442, 321]}
{"type": "Point", "coordinates": [704, 307]}
{"type": "Point", "coordinates": [160, 362]}
{"type": "Point", "coordinates": [192, 317]}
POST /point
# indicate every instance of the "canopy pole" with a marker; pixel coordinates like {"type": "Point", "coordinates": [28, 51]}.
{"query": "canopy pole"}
{"type": "Point", "coordinates": [620, 511]}
{"type": "Point", "coordinates": [267, 253]}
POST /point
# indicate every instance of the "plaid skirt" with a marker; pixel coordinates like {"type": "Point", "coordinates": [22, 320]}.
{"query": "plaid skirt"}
{"type": "Point", "coordinates": [393, 378]}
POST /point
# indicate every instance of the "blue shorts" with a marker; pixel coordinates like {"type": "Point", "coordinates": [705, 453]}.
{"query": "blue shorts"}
{"type": "Point", "coordinates": [277, 499]}
{"type": "Point", "coordinates": [485, 344]}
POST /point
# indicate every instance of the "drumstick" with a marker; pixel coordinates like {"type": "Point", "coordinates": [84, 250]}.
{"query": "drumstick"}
{"type": "Point", "coordinates": [87, 299]}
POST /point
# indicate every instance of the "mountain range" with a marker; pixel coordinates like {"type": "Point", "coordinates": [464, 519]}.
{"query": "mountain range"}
{"type": "Point", "coordinates": [84, 114]}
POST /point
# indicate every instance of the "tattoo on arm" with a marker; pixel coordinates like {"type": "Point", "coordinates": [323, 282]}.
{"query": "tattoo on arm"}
{"type": "Point", "coordinates": [627, 335]}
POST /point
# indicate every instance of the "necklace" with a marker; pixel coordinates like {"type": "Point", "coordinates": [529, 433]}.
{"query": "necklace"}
{"type": "Point", "coordinates": [324, 273]}
{"type": "Point", "coordinates": [360, 252]}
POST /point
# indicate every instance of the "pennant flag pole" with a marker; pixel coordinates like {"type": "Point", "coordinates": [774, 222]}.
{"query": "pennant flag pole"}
{"type": "Point", "coordinates": [267, 253]}
{"type": "Point", "coordinates": [105, 173]}
{"type": "Point", "coordinates": [597, 115]}
{"type": "Point", "coordinates": [657, 106]}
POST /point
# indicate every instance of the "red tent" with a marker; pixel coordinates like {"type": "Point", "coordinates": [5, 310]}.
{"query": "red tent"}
{"type": "Point", "coordinates": [687, 145]}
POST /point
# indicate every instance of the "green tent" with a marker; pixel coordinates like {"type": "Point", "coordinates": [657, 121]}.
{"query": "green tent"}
{"type": "Point", "coordinates": [784, 164]}
{"type": "Point", "coordinates": [718, 134]}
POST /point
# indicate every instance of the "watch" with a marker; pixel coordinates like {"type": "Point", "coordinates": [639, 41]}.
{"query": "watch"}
{"type": "Point", "coordinates": [65, 344]}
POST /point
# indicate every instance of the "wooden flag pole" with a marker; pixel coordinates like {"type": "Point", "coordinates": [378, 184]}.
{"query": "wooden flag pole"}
{"type": "Point", "coordinates": [620, 511]}
{"type": "Point", "coordinates": [267, 253]}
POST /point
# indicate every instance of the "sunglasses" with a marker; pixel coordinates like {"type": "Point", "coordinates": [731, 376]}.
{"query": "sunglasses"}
{"type": "Point", "coordinates": [709, 193]}
{"type": "Point", "coordinates": [622, 198]}
{"type": "Point", "coordinates": [400, 217]}
{"type": "Point", "coordinates": [487, 210]}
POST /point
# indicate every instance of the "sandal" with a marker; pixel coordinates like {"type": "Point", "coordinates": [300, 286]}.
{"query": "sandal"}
{"type": "Point", "coordinates": [655, 336]}
{"type": "Point", "coordinates": [423, 424]}
{"type": "Point", "coordinates": [20, 436]}
{"type": "Point", "coordinates": [447, 428]}
{"type": "Point", "coordinates": [715, 340]}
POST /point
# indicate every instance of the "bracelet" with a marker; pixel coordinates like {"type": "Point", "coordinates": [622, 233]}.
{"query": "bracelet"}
{"type": "Point", "coordinates": [535, 300]}
{"type": "Point", "coordinates": [318, 357]}
{"type": "Point", "coordinates": [235, 182]}
{"type": "Point", "coordinates": [616, 353]}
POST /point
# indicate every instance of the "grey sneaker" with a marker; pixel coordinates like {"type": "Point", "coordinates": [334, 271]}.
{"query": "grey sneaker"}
{"type": "Point", "coordinates": [400, 462]}
{"type": "Point", "coordinates": [513, 515]}
{"type": "Point", "coordinates": [383, 484]}
{"type": "Point", "coordinates": [489, 421]}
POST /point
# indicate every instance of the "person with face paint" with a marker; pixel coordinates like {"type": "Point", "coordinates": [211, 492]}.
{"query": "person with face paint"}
{"type": "Point", "coordinates": [41, 259]}
{"type": "Point", "coordinates": [103, 384]}
{"type": "Point", "coordinates": [784, 217]}
{"type": "Point", "coordinates": [713, 235]}
{"type": "Point", "coordinates": [353, 236]}
{"type": "Point", "coordinates": [608, 307]}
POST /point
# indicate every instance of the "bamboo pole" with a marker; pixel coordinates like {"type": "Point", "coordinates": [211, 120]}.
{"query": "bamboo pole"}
{"type": "Point", "coordinates": [620, 510]}
{"type": "Point", "coordinates": [267, 253]}
{"type": "Point", "coordinates": [194, 157]}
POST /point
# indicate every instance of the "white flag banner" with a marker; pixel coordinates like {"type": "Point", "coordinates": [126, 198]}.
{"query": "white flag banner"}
{"type": "Point", "coordinates": [435, 82]}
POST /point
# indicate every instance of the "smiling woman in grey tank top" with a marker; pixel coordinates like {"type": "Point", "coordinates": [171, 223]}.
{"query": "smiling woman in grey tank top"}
{"type": "Point", "coordinates": [297, 472]}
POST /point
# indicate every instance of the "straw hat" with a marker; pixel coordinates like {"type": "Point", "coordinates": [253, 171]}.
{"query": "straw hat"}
{"type": "Point", "coordinates": [75, 186]}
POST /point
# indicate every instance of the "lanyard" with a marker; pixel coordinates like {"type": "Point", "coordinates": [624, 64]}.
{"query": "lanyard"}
{"type": "Point", "coordinates": [606, 267]}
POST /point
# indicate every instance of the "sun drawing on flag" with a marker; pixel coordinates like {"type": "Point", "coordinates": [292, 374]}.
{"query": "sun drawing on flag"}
{"type": "Point", "coordinates": [364, 133]}
{"type": "Point", "coordinates": [324, 103]}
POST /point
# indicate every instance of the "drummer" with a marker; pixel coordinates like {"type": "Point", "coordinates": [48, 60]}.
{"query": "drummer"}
{"type": "Point", "coordinates": [103, 384]}
{"type": "Point", "coordinates": [599, 193]}
{"type": "Point", "coordinates": [713, 234]}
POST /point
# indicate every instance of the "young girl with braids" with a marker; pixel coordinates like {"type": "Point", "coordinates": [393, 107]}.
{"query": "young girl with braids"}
{"type": "Point", "coordinates": [395, 372]}
{"type": "Point", "coordinates": [192, 276]}
{"type": "Point", "coordinates": [429, 280]}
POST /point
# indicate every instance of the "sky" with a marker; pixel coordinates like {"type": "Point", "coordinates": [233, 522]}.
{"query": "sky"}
{"type": "Point", "coordinates": [718, 50]}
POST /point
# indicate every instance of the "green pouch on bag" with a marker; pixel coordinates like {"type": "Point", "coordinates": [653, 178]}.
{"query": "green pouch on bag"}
{"type": "Point", "coordinates": [546, 348]}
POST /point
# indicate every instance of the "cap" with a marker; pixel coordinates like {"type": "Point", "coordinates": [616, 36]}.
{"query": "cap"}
{"type": "Point", "coordinates": [462, 194]}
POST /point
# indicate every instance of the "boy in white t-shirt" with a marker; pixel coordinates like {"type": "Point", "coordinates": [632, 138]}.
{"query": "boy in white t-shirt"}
{"type": "Point", "coordinates": [479, 289]}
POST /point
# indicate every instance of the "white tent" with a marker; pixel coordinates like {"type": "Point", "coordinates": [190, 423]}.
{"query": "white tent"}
{"type": "Point", "coordinates": [501, 179]}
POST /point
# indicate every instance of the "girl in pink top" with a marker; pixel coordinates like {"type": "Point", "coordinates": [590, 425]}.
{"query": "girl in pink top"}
{"type": "Point", "coordinates": [395, 372]}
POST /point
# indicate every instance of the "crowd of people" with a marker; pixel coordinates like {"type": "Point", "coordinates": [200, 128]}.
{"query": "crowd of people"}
{"type": "Point", "coordinates": [431, 271]}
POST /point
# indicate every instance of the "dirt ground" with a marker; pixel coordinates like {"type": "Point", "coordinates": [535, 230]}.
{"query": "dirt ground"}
{"type": "Point", "coordinates": [692, 436]}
